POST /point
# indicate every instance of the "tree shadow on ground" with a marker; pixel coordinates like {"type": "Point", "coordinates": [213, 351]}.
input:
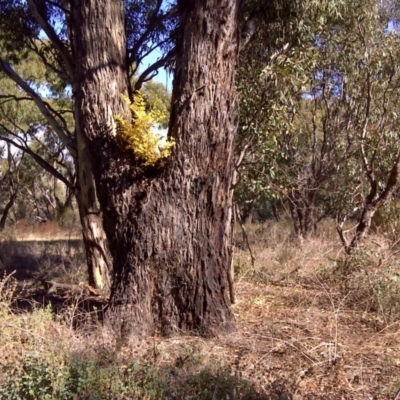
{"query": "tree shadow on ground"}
{"type": "Point", "coordinates": [80, 309]}
{"type": "Point", "coordinates": [207, 385]}
{"type": "Point", "coordinates": [89, 379]}
{"type": "Point", "coordinates": [33, 263]}
{"type": "Point", "coordinates": [40, 259]}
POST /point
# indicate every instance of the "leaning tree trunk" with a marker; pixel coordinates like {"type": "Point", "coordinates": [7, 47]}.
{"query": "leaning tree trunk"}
{"type": "Point", "coordinates": [167, 225]}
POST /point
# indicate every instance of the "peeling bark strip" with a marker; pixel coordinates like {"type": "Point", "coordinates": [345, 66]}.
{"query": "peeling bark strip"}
{"type": "Point", "coordinates": [167, 226]}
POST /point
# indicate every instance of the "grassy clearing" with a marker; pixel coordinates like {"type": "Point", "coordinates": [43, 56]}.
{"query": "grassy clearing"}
{"type": "Point", "coordinates": [309, 326]}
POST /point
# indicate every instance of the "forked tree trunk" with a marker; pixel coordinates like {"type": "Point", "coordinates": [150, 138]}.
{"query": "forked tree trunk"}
{"type": "Point", "coordinates": [168, 226]}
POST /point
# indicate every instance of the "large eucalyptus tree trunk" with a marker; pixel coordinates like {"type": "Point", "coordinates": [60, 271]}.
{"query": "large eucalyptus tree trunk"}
{"type": "Point", "coordinates": [167, 225]}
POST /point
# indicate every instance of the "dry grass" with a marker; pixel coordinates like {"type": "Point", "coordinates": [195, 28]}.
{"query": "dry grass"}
{"type": "Point", "coordinates": [281, 258]}
{"type": "Point", "coordinates": [25, 230]}
{"type": "Point", "coordinates": [331, 328]}
{"type": "Point", "coordinates": [309, 326]}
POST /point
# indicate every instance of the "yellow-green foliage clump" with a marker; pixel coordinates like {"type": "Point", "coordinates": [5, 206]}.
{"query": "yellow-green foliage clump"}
{"type": "Point", "coordinates": [139, 136]}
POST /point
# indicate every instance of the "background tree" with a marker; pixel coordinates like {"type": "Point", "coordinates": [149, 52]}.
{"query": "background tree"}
{"type": "Point", "coordinates": [52, 113]}
{"type": "Point", "coordinates": [271, 84]}
{"type": "Point", "coordinates": [314, 141]}
{"type": "Point", "coordinates": [158, 98]}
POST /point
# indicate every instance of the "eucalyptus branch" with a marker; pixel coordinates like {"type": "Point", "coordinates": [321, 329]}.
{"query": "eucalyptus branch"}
{"type": "Point", "coordinates": [59, 115]}
{"type": "Point", "coordinates": [51, 66]}
{"type": "Point", "coordinates": [237, 176]}
{"type": "Point", "coordinates": [326, 118]}
{"type": "Point", "coordinates": [40, 161]}
{"type": "Point", "coordinates": [384, 110]}
{"type": "Point", "coordinates": [390, 184]}
{"type": "Point", "coordinates": [64, 165]}
{"type": "Point", "coordinates": [43, 106]}
{"type": "Point", "coordinates": [42, 145]}
{"type": "Point", "coordinates": [152, 48]}
{"type": "Point", "coordinates": [371, 206]}
{"type": "Point", "coordinates": [17, 127]}
{"type": "Point", "coordinates": [52, 35]}
{"type": "Point", "coordinates": [146, 74]}
{"type": "Point", "coordinates": [64, 9]}
{"type": "Point", "coordinates": [13, 184]}
{"type": "Point", "coordinates": [145, 36]}
{"type": "Point", "coordinates": [9, 97]}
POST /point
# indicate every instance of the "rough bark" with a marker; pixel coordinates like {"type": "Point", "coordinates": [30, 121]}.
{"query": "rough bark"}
{"type": "Point", "coordinates": [168, 225]}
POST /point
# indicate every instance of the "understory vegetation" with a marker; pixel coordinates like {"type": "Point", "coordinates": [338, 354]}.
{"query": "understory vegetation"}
{"type": "Point", "coordinates": [311, 323]}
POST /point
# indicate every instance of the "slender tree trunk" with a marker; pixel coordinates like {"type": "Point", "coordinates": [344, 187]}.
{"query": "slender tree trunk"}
{"type": "Point", "coordinates": [12, 176]}
{"type": "Point", "coordinates": [363, 227]}
{"type": "Point", "coordinates": [275, 210]}
{"type": "Point", "coordinates": [295, 214]}
{"type": "Point", "coordinates": [247, 212]}
{"type": "Point", "coordinates": [63, 206]}
{"type": "Point", "coordinates": [168, 225]}
{"type": "Point", "coordinates": [98, 257]}
{"type": "Point", "coordinates": [310, 220]}
{"type": "Point", "coordinates": [302, 212]}
{"type": "Point", "coordinates": [7, 209]}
